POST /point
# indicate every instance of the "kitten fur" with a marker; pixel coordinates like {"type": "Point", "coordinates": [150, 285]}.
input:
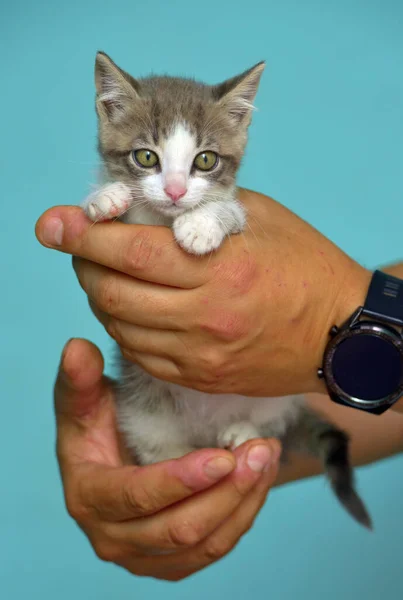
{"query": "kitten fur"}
{"type": "Point", "coordinates": [177, 119]}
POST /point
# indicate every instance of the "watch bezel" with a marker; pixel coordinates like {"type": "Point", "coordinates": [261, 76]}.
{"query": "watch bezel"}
{"type": "Point", "coordinates": [359, 328]}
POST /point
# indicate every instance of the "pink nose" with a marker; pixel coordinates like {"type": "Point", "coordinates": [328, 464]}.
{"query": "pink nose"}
{"type": "Point", "coordinates": [175, 191]}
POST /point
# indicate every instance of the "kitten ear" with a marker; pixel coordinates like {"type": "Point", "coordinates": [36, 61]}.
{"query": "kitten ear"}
{"type": "Point", "coordinates": [238, 93]}
{"type": "Point", "coordinates": [116, 89]}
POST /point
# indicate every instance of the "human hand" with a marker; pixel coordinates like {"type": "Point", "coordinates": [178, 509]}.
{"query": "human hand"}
{"type": "Point", "coordinates": [252, 318]}
{"type": "Point", "coordinates": [193, 509]}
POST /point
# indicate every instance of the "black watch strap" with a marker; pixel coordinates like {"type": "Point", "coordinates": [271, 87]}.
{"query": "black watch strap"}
{"type": "Point", "coordinates": [385, 299]}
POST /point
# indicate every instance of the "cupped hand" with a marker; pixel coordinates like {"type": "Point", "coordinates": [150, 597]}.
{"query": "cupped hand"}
{"type": "Point", "coordinates": [166, 520]}
{"type": "Point", "coordinates": [252, 318]}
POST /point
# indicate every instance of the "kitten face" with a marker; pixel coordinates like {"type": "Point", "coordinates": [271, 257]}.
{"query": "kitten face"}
{"type": "Point", "coordinates": [174, 185]}
{"type": "Point", "coordinates": [175, 142]}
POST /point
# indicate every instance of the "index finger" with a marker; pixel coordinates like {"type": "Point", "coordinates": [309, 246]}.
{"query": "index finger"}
{"type": "Point", "coordinates": [145, 252]}
{"type": "Point", "coordinates": [122, 493]}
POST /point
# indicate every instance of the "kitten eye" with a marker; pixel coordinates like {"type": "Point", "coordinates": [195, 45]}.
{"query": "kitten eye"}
{"type": "Point", "coordinates": [205, 161]}
{"type": "Point", "coordinates": [145, 158]}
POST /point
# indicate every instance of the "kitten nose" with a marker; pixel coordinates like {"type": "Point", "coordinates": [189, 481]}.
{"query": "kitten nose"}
{"type": "Point", "coordinates": [175, 188]}
{"type": "Point", "coordinates": [175, 192]}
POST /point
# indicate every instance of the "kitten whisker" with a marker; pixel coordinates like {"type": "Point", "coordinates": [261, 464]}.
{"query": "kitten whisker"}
{"type": "Point", "coordinates": [258, 223]}
{"type": "Point", "coordinates": [254, 235]}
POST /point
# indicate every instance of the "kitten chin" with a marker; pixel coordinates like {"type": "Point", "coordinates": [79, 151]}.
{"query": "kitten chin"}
{"type": "Point", "coordinates": [159, 130]}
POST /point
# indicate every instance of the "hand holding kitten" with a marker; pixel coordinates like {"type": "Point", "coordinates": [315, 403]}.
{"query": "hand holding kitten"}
{"type": "Point", "coordinates": [213, 325]}
{"type": "Point", "coordinates": [167, 520]}
{"type": "Point", "coordinates": [171, 149]}
{"type": "Point", "coordinates": [256, 313]}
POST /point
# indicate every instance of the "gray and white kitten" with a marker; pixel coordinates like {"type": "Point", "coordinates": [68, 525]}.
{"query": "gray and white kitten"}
{"type": "Point", "coordinates": [171, 148]}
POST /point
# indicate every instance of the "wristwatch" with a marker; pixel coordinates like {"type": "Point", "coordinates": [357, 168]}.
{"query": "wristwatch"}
{"type": "Point", "coordinates": [363, 361]}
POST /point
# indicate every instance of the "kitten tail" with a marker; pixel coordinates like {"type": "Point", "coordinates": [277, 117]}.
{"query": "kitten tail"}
{"type": "Point", "coordinates": [334, 451]}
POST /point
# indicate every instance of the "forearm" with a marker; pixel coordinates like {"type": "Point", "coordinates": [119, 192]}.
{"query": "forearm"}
{"type": "Point", "coordinates": [372, 437]}
{"type": "Point", "coordinates": [395, 269]}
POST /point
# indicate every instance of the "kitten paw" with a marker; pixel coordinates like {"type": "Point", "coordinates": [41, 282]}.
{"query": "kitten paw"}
{"type": "Point", "coordinates": [198, 233]}
{"type": "Point", "coordinates": [236, 434]}
{"type": "Point", "coordinates": [109, 202]}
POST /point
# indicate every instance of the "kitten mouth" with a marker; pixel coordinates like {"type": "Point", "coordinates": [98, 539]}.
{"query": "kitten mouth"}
{"type": "Point", "coordinates": [171, 210]}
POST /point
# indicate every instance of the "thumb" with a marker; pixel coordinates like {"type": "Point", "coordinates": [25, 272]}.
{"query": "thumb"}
{"type": "Point", "coordinates": [80, 386]}
{"type": "Point", "coordinates": [85, 416]}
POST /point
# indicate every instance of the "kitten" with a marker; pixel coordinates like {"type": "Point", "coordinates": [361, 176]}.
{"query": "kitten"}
{"type": "Point", "coordinates": [171, 149]}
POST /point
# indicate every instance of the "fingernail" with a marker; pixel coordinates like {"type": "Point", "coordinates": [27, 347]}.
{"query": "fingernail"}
{"type": "Point", "coordinates": [218, 467]}
{"type": "Point", "coordinates": [258, 458]}
{"type": "Point", "coordinates": [52, 232]}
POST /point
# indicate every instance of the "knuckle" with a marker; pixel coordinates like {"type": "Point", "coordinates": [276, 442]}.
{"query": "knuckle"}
{"type": "Point", "coordinates": [240, 488]}
{"type": "Point", "coordinates": [108, 296]}
{"type": "Point", "coordinates": [226, 325]}
{"type": "Point", "coordinates": [107, 552]}
{"type": "Point", "coordinates": [217, 548]}
{"type": "Point", "coordinates": [137, 255]}
{"type": "Point", "coordinates": [183, 534]}
{"type": "Point", "coordinates": [213, 365]}
{"type": "Point", "coordinates": [113, 328]}
{"type": "Point", "coordinates": [211, 360]}
{"type": "Point", "coordinates": [76, 509]}
{"type": "Point", "coordinates": [140, 500]}
{"type": "Point", "coordinates": [248, 525]}
{"type": "Point", "coordinates": [244, 274]}
{"type": "Point", "coordinates": [239, 275]}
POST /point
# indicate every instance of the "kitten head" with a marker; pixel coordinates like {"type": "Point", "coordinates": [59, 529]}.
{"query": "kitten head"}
{"type": "Point", "coordinates": [175, 142]}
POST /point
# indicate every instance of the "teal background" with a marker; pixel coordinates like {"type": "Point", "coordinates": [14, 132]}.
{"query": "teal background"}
{"type": "Point", "coordinates": [327, 142]}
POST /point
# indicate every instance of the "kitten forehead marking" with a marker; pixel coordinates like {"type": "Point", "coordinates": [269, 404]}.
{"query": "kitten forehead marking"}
{"type": "Point", "coordinates": [178, 151]}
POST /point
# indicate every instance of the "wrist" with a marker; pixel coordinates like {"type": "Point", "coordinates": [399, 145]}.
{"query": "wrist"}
{"type": "Point", "coordinates": [351, 291]}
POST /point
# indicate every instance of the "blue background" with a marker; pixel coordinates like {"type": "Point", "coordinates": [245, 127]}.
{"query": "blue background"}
{"type": "Point", "coordinates": [327, 142]}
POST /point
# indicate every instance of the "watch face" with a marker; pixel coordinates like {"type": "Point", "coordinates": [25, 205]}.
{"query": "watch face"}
{"type": "Point", "coordinates": [367, 367]}
{"type": "Point", "coordinates": [364, 365]}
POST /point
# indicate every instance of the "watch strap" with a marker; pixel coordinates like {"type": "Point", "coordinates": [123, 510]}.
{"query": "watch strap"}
{"type": "Point", "coordinates": [385, 299]}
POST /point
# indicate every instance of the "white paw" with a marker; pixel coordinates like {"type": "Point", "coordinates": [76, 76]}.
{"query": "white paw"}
{"type": "Point", "coordinates": [236, 434]}
{"type": "Point", "coordinates": [198, 233]}
{"type": "Point", "coordinates": [109, 202]}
